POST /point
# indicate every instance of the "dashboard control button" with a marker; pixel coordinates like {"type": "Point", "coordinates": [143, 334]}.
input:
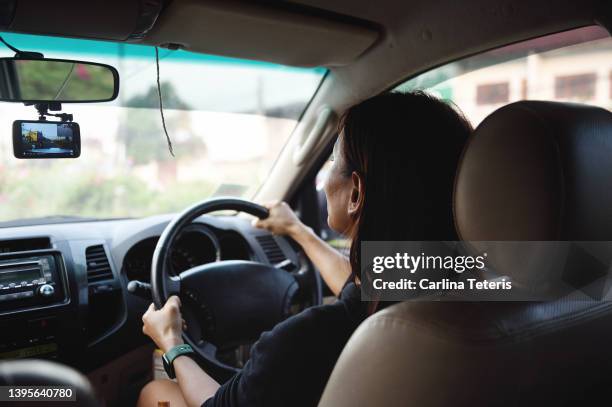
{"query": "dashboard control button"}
{"type": "Point", "coordinates": [46, 290]}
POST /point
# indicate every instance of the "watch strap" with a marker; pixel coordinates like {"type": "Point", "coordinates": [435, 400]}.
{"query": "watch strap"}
{"type": "Point", "coordinates": [172, 354]}
{"type": "Point", "coordinates": [177, 351]}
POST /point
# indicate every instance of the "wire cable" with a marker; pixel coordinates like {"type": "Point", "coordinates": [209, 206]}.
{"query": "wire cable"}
{"type": "Point", "coordinates": [15, 50]}
{"type": "Point", "coordinates": [161, 106]}
{"type": "Point", "coordinates": [65, 83]}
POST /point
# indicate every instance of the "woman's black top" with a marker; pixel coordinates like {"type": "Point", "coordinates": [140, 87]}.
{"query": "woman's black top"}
{"type": "Point", "coordinates": [290, 365]}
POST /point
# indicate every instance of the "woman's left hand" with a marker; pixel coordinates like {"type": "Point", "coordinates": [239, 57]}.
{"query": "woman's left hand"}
{"type": "Point", "coordinates": [164, 326]}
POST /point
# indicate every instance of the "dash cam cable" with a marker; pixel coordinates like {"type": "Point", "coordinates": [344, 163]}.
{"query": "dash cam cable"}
{"type": "Point", "coordinates": [161, 105]}
{"type": "Point", "coordinates": [21, 54]}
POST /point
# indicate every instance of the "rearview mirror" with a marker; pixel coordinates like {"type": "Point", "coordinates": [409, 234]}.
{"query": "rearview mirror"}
{"type": "Point", "coordinates": [56, 80]}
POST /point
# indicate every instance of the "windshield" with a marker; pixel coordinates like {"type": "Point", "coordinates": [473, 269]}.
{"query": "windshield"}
{"type": "Point", "coordinates": [227, 119]}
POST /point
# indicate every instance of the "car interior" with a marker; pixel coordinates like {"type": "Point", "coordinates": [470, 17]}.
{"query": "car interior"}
{"type": "Point", "coordinates": [193, 113]}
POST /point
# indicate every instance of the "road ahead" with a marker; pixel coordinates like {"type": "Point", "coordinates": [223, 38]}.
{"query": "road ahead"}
{"type": "Point", "coordinates": [53, 150]}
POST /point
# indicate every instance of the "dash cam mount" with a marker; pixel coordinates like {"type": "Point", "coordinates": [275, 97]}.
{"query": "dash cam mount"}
{"type": "Point", "coordinates": [44, 108]}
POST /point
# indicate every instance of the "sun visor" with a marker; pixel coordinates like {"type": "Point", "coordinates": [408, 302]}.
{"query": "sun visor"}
{"type": "Point", "coordinates": [267, 32]}
{"type": "Point", "coordinates": [116, 20]}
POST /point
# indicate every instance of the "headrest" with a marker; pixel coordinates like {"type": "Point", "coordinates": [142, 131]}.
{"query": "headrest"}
{"type": "Point", "coordinates": [35, 372]}
{"type": "Point", "coordinates": [537, 171]}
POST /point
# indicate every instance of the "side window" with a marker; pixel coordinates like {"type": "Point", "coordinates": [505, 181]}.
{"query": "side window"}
{"type": "Point", "coordinates": [574, 66]}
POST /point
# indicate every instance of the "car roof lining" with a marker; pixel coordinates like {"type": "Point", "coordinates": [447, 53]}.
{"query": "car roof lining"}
{"type": "Point", "coordinates": [289, 36]}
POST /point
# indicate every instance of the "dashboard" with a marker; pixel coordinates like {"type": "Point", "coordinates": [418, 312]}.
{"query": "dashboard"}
{"type": "Point", "coordinates": [198, 244]}
{"type": "Point", "coordinates": [85, 316]}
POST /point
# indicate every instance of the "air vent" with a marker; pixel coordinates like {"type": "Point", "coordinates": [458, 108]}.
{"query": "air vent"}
{"type": "Point", "coordinates": [272, 250]}
{"type": "Point", "coordinates": [98, 268]}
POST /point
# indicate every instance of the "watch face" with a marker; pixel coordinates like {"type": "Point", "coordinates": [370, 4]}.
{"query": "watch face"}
{"type": "Point", "coordinates": [167, 367]}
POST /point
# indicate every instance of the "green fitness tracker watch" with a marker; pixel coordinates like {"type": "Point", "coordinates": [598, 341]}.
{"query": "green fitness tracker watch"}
{"type": "Point", "coordinates": [168, 358]}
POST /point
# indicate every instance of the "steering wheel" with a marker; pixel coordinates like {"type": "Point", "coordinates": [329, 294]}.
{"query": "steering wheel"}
{"type": "Point", "coordinates": [228, 302]}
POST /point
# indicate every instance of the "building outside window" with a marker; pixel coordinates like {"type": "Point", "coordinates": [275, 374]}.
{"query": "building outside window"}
{"type": "Point", "coordinates": [492, 93]}
{"type": "Point", "coordinates": [579, 87]}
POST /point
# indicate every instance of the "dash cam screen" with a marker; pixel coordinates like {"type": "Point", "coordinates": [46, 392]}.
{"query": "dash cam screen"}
{"type": "Point", "coordinates": [40, 139]}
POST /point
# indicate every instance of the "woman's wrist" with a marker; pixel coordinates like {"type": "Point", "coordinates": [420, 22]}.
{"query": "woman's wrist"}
{"type": "Point", "coordinates": [298, 231]}
{"type": "Point", "coordinates": [168, 343]}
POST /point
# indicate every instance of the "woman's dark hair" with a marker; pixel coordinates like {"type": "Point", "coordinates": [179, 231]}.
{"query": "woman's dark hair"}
{"type": "Point", "coordinates": [406, 146]}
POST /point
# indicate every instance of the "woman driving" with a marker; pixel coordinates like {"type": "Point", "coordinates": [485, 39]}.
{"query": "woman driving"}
{"type": "Point", "coordinates": [391, 179]}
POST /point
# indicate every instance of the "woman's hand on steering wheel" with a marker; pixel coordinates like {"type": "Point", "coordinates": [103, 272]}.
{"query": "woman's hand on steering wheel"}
{"type": "Point", "coordinates": [227, 302]}
{"type": "Point", "coordinates": [281, 221]}
{"type": "Point", "coordinates": [164, 326]}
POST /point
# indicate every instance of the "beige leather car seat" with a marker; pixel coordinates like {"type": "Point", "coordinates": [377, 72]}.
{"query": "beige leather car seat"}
{"type": "Point", "coordinates": [531, 171]}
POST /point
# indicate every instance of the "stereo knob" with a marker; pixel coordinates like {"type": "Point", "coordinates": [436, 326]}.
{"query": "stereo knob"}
{"type": "Point", "coordinates": [46, 290]}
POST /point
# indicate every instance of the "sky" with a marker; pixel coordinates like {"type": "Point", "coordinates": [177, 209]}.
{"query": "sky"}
{"type": "Point", "coordinates": [49, 130]}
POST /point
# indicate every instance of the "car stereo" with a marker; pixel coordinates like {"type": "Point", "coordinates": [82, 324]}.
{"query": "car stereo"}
{"type": "Point", "coordinates": [31, 280]}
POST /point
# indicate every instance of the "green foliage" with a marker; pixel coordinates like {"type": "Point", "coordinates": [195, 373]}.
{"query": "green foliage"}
{"type": "Point", "coordinates": [51, 187]}
{"type": "Point", "coordinates": [143, 137]}
{"type": "Point", "coordinates": [49, 80]}
{"type": "Point", "coordinates": [89, 195]}
{"type": "Point", "coordinates": [150, 99]}
{"type": "Point", "coordinates": [122, 194]}
{"type": "Point", "coordinates": [142, 131]}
